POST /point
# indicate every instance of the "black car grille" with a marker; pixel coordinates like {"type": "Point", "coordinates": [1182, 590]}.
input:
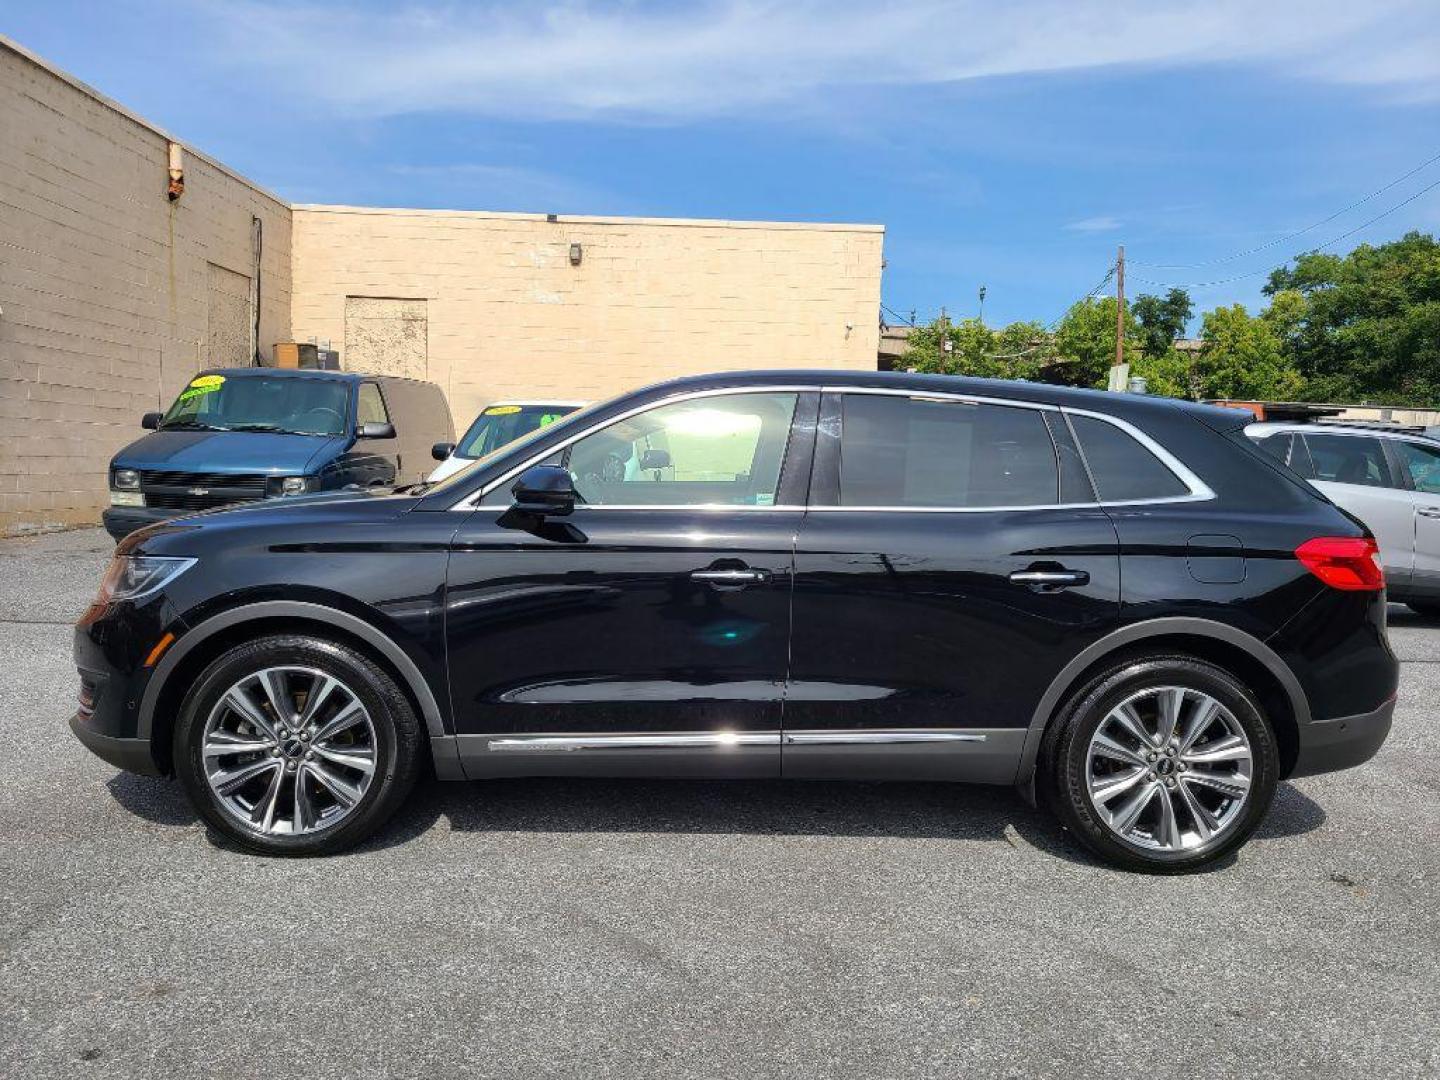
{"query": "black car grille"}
{"type": "Point", "coordinates": [167, 490]}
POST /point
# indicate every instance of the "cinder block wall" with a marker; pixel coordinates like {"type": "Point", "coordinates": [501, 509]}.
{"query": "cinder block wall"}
{"type": "Point", "coordinates": [508, 315]}
{"type": "Point", "coordinates": [106, 286]}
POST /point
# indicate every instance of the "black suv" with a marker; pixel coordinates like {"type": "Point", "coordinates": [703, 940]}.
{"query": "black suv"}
{"type": "Point", "coordinates": [1112, 602]}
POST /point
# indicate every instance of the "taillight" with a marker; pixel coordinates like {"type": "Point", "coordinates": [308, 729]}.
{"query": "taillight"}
{"type": "Point", "coordinates": [1351, 563]}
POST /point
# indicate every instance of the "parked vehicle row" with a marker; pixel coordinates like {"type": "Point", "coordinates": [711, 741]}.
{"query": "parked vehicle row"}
{"type": "Point", "coordinates": [1116, 603]}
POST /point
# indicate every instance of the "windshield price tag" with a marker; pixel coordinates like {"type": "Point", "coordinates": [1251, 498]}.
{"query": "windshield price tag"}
{"type": "Point", "coordinates": [501, 410]}
{"type": "Point", "coordinates": [204, 384]}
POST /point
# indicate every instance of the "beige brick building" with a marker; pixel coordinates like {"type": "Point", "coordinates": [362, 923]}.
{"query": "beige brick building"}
{"type": "Point", "coordinates": [112, 294]}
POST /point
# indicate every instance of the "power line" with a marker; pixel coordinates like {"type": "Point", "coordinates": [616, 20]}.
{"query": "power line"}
{"type": "Point", "coordinates": [1319, 247]}
{"type": "Point", "coordinates": [1291, 236]}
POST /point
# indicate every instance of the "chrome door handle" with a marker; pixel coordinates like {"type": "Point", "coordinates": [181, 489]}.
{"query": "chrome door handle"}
{"type": "Point", "coordinates": [1428, 511]}
{"type": "Point", "coordinates": [1053, 579]}
{"type": "Point", "coordinates": [730, 579]}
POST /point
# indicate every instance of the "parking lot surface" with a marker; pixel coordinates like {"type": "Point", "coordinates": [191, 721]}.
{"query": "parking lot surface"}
{"type": "Point", "coordinates": [657, 929]}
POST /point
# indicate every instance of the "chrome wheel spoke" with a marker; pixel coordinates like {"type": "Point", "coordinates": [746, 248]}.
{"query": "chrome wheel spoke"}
{"type": "Point", "coordinates": [1116, 784]}
{"type": "Point", "coordinates": [231, 781]}
{"type": "Point", "coordinates": [310, 780]}
{"type": "Point", "coordinates": [1230, 748]}
{"type": "Point", "coordinates": [1231, 785]}
{"type": "Point", "coordinates": [1168, 769]}
{"type": "Point", "coordinates": [239, 700]}
{"type": "Point", "coordinates": [1108, 747]}
{"type": "Point", "coordinates": [361, 759]}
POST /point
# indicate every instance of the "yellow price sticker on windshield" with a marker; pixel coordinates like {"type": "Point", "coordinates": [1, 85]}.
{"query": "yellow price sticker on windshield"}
{"type": "Point", "coordinates": [203, 384]}
{"type": "Point", "coordinates": [501, 410]}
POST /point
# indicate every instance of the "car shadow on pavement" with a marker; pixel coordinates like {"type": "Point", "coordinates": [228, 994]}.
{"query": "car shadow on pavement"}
{"type": "Point", "coordinates": [899, 810]}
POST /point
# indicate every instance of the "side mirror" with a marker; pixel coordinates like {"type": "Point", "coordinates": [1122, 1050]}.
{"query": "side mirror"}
{"type": "Point", "coordinates": [151, 421]}
{"type": "Point", "coordinates": [546, 490]}
{"type": "Point", "coordinates": [654, 459]}
{"type": "Point", "coordinates": [375, 431]}
{"type": "Point", "coordinates": [442, 450]}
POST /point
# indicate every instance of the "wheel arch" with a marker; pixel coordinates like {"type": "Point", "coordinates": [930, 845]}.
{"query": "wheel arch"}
{"type": "Point", "coordinates": [1242, 654]}
{"type": "Point", "coordinates": [195, 649]}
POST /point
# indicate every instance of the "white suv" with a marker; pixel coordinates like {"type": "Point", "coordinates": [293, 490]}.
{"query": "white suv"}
{"type": "Point", "coordinates": [1389, 479]}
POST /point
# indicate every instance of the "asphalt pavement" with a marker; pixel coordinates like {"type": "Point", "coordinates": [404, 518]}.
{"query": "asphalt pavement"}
{"type": "Point", "coordinates": [693, 929]}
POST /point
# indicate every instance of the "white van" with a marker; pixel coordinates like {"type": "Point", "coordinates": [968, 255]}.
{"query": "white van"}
{"type": "Point", "coordinates": [498, 423]}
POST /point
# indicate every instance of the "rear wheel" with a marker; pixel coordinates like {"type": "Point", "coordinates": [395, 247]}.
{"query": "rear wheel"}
{"type": "Point", "coordinates": [1162, 764]}
{"type": "Point", "coordinates": [293, 745]}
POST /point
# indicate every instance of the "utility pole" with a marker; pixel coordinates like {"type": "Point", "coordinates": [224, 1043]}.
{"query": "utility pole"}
{"type": "Point", "coordinates": [982, 305]}
{"type": "Point", "coordinates": [1120, 307]}
{"type": "Point", "coordinates": [945, 343]}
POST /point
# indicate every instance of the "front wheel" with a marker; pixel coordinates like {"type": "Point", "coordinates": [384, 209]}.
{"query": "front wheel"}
{"type": "Point", "coordinates": [1162, 764]}
{"type": "Point", "coordinates": [294, 745]}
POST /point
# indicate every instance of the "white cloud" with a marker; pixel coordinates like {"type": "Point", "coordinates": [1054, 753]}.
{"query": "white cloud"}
{"type": "Point", "coordinates": [1094, 224]}
{"type": "Point", "coordinates": [643, 62]}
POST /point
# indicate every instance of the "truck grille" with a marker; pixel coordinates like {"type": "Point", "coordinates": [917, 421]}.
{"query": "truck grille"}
{"type": "Point", "coordinates": [168, 490]}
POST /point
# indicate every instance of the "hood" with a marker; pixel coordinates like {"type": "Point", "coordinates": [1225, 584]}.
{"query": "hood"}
{"type": "Point", "coordinates": [450, 466]}
{"type": "Point", "coordinates": [228, 452]}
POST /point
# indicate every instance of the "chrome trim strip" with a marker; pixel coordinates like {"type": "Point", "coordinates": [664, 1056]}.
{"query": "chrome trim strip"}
{"type": "Point", "coordinates": [564, 743]}
{"type": "Point", "coordinates": [872, 738]}
{"type": "Point", "coordinates": [1198, 488]}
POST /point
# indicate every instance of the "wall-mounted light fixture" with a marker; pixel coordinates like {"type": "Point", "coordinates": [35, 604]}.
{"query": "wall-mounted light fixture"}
{"type": "Point", "coordinates": [576, 254]}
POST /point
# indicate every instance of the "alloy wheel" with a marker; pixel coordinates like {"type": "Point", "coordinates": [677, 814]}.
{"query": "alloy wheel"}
{"type": "Point", "coordinates": [289, 750]}
{"type": "Point", "coordinates": [1168, 769]}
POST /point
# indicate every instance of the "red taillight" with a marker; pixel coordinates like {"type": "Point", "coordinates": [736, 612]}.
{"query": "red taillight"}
{"type": "Point", "coordinates": [1351, 563]}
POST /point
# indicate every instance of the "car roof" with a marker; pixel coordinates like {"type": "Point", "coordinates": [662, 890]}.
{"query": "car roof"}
{"type": "Point", "coordinates": [308, 373]}
{"type": "Point", "coordinates": [1103, 401]}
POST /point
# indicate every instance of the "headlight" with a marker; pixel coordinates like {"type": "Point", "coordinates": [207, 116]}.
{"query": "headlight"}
{"type": "Point", "coordinates": [125, 479]}
{"type": "Point", "coordinates": [129, 577]}
{"type": "Point", "coordinates": [291, 485]}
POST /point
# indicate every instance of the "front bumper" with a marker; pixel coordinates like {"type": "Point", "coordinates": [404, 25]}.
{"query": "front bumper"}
{"type": "Point", "coordinates": [1344, 742]}
{"type": "Point", "coordinates": [121, 521]}
{"type": "Point", "coordinates": [132, 755]}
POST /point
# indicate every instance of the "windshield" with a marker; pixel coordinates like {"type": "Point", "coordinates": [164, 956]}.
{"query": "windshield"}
{"type": "Point", "coordinates": [568, 421]}
{"type": "Point", "coordinates": [296, 406]}
{"type": "Point", "coordinates": [501, 424]}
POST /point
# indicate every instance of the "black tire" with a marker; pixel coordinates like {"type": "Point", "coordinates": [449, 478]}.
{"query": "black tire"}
{"type": "Point", "coordinates": [1429, 608]}
{"type": "Point", "coordinates": [397, 741]}
{"type": "Point", "coordinates": [1063, 760]}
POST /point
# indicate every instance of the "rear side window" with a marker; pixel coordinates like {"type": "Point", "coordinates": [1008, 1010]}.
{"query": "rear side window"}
{"type": "Point", "coordinates": [1124, 469]}
{"type": "Point", "coordinates": [1423, 464]}
{"type": "Point", "coordinates": [1349, 459]}
{"type": "Point", "coordinates": [1276, 446]}
{"type": "Point", "coordinates": [909, 452]}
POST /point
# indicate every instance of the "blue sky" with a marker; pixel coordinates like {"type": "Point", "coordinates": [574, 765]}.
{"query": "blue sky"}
{"type": "Point", "coordinates": [1012, 145]}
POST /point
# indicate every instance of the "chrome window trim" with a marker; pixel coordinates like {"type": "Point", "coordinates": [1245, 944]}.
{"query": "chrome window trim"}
{"type": "Point", "coordinates": [1198, 490]}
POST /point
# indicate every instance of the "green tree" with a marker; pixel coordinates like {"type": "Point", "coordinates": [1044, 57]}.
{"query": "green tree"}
{"type": "Point", "coordinates": [968, 347]}
{"type": "Point", "coordinates": [1244, 357]}
{"type": "Point", "coordinates": [1085, 341]}
{"type": "Point", "coordinates": [1161, 320]}
{"type": "Point", "coordinates": [1366, 326]}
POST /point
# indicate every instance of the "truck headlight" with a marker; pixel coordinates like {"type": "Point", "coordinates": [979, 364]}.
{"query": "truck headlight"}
{"type": "Point", "coordinates": [129, 577]}
{"type": "Point", "coordinates": [290, 485]}
{"type": "Point", "coordinates": [125, 480]}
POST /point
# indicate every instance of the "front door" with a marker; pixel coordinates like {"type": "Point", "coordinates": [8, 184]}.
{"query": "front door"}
{"type": "Point", "coordinates": [646, 632]}
{"type": "Point", "coordinates": [948, 568]}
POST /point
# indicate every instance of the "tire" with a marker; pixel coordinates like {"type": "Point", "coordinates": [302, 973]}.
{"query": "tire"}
{"type": "Point", "coordinates": [1092, 786]}
{"type": "Point", "coordinates": [1429, 608]}
{"type": "Point", "coordinates": [314, 787]}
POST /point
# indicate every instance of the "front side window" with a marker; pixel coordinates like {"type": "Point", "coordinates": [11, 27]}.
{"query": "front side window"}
{"type": "Point", "coordinates": [1124, 469]}
{"type": "Point", "coordinates": [913, 452]}
{"type": "Point", "coordinates": [725, 450]}
{"type": "Point", "coordinates": [1423, 464]}
{"type": "Point", "coordinates": [276, 403]}
{"type": "Point", "coordinates": [1349, 459]}
{"type": "Point", "coordinates": [371, 406]}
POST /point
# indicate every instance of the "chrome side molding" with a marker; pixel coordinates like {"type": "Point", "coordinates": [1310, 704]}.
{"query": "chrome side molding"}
{"type": "Point", "coordinates": [720, 740]}
{"type": "Point", "coordinates": [872, 738]}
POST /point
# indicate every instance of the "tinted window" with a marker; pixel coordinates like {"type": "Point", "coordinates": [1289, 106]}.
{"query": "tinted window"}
{"type": "Point", "coordinates": [1122, 467]}
{"type": "Point", "coordinates": [897, 451]}
{"type": "Point", "coordinates": [1275, 446]}
{"type": "Point", "coordinates": [726, 450]}
{"type": "Point", "coordinates": [372, 406]}
{"type": "Point", "coordinates": [1423, 464]}
{"type": "Point", "coordinates": [1074, 480]}
{"type": "Point", "coordinates": [501, 424]}
{"type": "Point", "coordinates": [1349, 459]}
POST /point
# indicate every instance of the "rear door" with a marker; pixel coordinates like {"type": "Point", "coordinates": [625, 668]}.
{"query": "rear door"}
{"type": "Point", "coordinates": [1419, 467]}
{"type": "Point", "coordinates": [951, 561]}
{"type": "Point", "coordinates": [1353, 469]}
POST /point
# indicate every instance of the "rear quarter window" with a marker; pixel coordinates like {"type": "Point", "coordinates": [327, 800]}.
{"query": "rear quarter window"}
{"type": "Point", "coordinates": [1123, 468]}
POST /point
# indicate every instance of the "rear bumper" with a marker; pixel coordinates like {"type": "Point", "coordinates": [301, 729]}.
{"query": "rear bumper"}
{"type": "Point", "coordinates": [121, 521]}
{"type": "Point", "coordinates": [1344, 742]}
